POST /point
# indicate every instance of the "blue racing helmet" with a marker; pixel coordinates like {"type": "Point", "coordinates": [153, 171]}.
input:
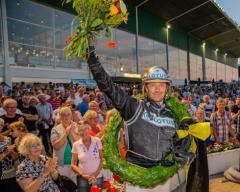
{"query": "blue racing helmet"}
{"type": "Point", "coordinates": [156, 74]}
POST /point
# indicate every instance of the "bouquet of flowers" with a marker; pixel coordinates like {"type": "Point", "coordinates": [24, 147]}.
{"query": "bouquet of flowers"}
{"type": "Point", "coordinates": [93, 16]}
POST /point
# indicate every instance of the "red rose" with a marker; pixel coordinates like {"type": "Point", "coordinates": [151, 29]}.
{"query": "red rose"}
{"type": "Point", "coordinates": [69, 39]}
{"type": "Point", "coordinates": [116, 177]}
{"type": "Point", "coordinates": [233, 141]}
{"type": "Point", "coordinates": [107, 184]}
{"type": "Point", "coordinates": [95, 189]}
{"type": "Point", "coordinates": [112, 44]}
{"type": "Point", "coordinates": [113, 190]}
{"type": "Point", "coordinates": [117, 4]}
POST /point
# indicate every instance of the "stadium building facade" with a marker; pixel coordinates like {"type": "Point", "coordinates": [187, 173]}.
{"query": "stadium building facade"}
{"type": "Point", "coordinates": [164, 33]}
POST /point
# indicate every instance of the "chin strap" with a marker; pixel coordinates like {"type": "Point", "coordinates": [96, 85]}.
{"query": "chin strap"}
{"type": "Point", "coordinates": [155, 107]}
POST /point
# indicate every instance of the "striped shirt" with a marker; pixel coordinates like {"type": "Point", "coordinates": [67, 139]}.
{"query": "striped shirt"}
{"type": "Point", "coordinates": [55, 103]}
{"type": "Point", "coordinates": [221, 124]}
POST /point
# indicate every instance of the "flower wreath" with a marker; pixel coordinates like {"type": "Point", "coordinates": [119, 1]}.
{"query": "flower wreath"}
{"type": "Point", "coordinates": [133, 174]}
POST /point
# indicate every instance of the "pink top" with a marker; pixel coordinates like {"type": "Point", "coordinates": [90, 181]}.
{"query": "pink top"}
{"type": "Point", "coordinates": [89, 159]}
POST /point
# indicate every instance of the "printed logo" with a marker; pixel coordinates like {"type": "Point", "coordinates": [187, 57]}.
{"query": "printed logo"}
{"type": "Point", "coordinates": [159, 121]}
{"type": "Point", "coordinates": [158, 74]}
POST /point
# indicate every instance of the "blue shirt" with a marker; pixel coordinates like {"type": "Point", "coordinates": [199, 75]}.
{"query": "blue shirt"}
{"type": "Point", "coordinates": [83, 108]}
{"type": "Point", "coordinates": [45, 111]}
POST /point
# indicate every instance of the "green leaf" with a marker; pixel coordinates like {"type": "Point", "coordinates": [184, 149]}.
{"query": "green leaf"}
{"type": "Point", "coordinates": [123, 7]}
{"type": "Point", "coordinates": [96, 22]}
{"type": "Point", "coordinates": [178, 109]}
{"type": "Point", "coordinates": [108, 32]}
{"type": "Point", "coordinates": [66, 1]}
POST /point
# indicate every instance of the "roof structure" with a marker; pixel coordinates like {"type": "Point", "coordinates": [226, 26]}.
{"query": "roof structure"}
{"type": "Point", "coordinates": [202, 18]}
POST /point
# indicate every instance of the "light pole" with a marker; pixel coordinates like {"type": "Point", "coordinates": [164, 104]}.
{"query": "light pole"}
{"type": "Point", "coordinates": [216, 57]}
{"type": "Point", "coordinates": [167, 42]}
{"type": "Point", "coordinates": [225, 61]}
{"type": "Point", "coordinates": [203, 62]}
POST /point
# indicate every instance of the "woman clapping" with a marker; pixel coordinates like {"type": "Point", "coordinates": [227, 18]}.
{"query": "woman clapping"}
{"type": "Point", "coordinates": [36, 172]}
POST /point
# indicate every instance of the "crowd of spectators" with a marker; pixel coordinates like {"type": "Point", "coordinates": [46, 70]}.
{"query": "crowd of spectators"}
{"type": "Point", "coordinates": [52, 129]}
{"type": "Point", "coordinates": [217, 103]}
{"type": "Point", "coordinates": [48, 130]}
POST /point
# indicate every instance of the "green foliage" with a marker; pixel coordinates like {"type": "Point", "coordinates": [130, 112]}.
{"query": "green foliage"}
{"type": "Point", "coordinates": [128, 172]}
{"type": "Point", "coordinates": [135, 175]}
{"type": "Point", "coordinates": [178, 109]}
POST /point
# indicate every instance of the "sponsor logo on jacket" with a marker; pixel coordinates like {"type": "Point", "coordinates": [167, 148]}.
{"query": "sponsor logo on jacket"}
{"type": "Point", "coordinates": [159, 121]}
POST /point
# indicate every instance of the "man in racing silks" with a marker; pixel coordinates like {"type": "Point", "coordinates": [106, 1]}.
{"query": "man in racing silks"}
{"type": "Point", "coordinates": [151, 129]}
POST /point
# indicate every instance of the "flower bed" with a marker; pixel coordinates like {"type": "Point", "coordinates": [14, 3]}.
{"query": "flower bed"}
{"type": "Point", "coordinates": [233, 144]}
{"type": "Point", "coordinates": [221, 157]}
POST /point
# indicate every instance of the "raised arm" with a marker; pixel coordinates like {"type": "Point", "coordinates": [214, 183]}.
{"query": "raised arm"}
{"type": "Point", "coordinates": [121, 100]}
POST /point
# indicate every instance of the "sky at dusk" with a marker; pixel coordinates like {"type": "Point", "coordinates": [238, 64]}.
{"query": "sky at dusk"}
{"type": "Point", "coordinates": [232, 8]}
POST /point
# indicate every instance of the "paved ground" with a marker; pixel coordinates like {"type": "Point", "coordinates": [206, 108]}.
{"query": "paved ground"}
{"type": "Point", "coordinates": [217, 185]}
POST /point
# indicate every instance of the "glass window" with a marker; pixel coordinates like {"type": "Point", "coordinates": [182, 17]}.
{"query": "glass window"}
{"type": "Point", "coordinates": [195, 67]}
{"type": "Point", "coordinates": [223, 71]}
{"type": "Point", "coordinates": [160, 56]}
{"type": "Point", "coordinates": [0, 31]}
{"type": "Point", "coordinates": [63, 20]}
{"type": "Point", "coordinates": [229, 73]}
{"type": "Point", "coordinates": [126, 51]}
{"type": "Point", "coordinates": [235, 74]}
{"type": "Point", "coordinates": [220, 71]}
{"type": "Point", "coordinates": [199, 67]}
{"type": "Point", "coordinates": [36, 45]}
{"type": "Point", "coordinates": [29, 34]}
{"type": "Point", "coordinates": [65, 24]}
{"type": "Point", "coordinates": [60, 38]}
{"type": "Point", "coordinates": [145, 54]}
{"type": "Point", "coordinates": [224, 67]}
{"type": "Point", "coordinates": [107, 56]}
{"type": "Point", "coordinates": [182, 65]}
{"type": "Point", "coordinates": [232, 74]}
{"type": "Point", "coordinates": [173, 62]}
{"type": "Point", "coordinates": [63, 28]}
{"type": "Point", "coordinates": [1, 53]}
{"type": "Point", "coordinates": [177, 63]}
{"type": "Point", "coordinates": [30, 56]}
{"type": "Point", "coordinates": [29, 11]}
{"type": "Point", "coordinates": [61, 62]}
{"type": "Point", "coordinates": [1, 45]}
{"type": "Point", "coordinates": [211, 70]}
